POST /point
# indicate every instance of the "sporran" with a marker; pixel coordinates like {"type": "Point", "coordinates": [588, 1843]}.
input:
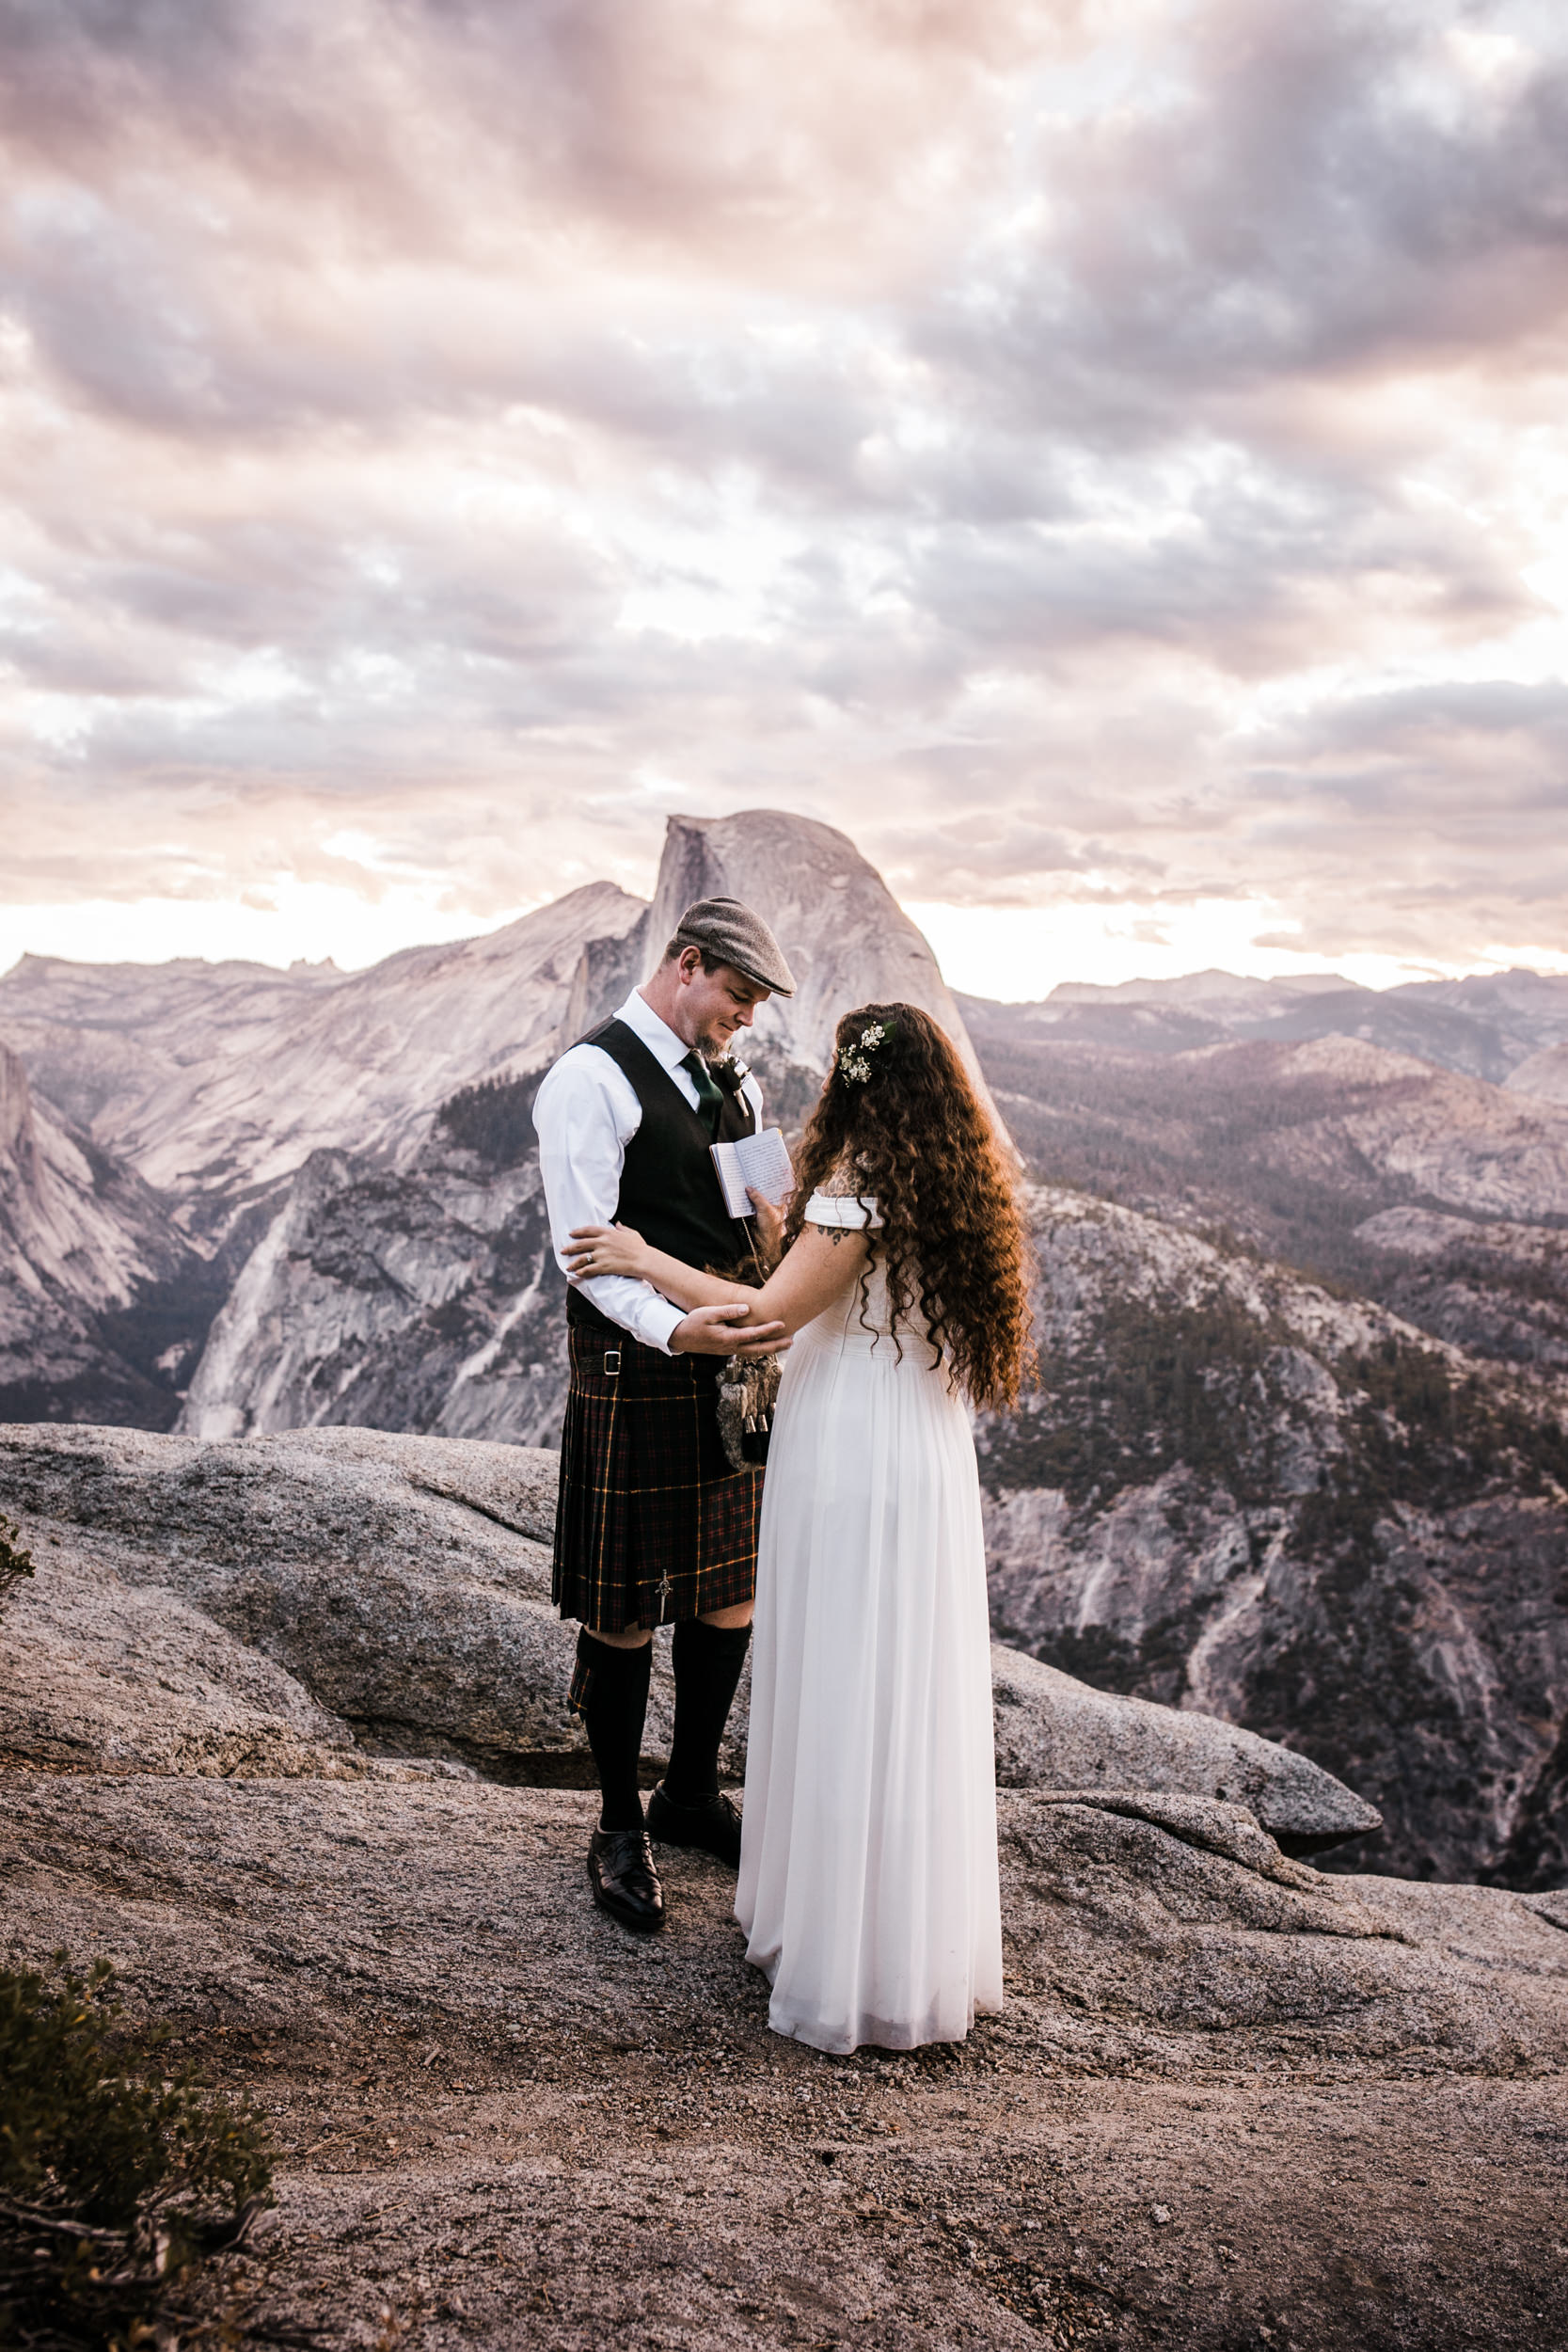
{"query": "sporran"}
{"type": "Point", "coordinates": [747, 1393]}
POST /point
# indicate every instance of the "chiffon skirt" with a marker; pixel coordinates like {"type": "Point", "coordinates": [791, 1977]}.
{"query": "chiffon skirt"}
{"type": "Point", "coordinates": [868, 1873]}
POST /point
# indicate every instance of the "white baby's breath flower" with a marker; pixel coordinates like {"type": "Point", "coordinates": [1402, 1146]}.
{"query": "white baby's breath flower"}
{"type": "Point", "coordinates": [854, 1064]}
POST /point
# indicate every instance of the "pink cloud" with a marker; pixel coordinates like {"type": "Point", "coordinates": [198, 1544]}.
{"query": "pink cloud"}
{"type": "Point", "coordinates": [1081, 450]}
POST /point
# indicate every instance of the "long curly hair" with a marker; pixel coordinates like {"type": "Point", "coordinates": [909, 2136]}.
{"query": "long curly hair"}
{"type": "Point", "coordinates": [912, 1135]}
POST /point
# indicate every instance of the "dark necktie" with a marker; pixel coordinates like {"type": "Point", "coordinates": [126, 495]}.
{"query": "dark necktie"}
{"type": "Point", "coordinates": [710, 1098]}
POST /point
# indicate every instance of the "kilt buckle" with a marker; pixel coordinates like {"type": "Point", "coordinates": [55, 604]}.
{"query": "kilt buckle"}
{"type": "Point", "coordinates": [611, 1362]}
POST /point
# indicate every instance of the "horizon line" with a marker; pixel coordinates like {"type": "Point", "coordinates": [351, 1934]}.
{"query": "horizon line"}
{"type": "Point", "coordinates": [1319, 982]}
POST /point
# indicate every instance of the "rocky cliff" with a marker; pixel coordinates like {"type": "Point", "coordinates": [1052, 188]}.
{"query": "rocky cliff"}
{"type": "Point", "coordinates": [1236, 1492]}
{"type": "Point", "coordinates": [314, 1602]}
{"type": "Point", "coordinates": [845, 937]}
{"type": "Point", "coordinates": [101, 1300]}
{"type": "Point", "coordinates": [421, 1299]}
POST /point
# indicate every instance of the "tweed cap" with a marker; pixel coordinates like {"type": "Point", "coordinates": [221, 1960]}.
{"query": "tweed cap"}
{"type": "Point", "coordinates": [737, 936]}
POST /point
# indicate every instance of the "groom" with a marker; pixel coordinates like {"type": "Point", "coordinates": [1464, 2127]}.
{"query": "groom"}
{"type": "Point", "coordinates": [653, 1527]}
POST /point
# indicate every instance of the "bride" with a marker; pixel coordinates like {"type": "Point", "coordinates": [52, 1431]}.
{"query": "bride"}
{"type": "Point", "coordinates": [868, 1873]}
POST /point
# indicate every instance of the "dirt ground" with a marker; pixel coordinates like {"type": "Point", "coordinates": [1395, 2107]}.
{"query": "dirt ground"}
{"type": "Point", "coordinates": [693, 2192]}
{"type": "Point", "coordinates": [502, 2122]}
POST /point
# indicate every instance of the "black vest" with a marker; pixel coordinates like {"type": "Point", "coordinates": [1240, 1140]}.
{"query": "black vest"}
{"type": "Point", "coordinates": [669, 1184]}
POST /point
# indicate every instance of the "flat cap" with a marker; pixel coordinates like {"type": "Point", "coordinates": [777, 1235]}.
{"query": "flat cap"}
{"type": "Point", "coordinates": [737, 936]}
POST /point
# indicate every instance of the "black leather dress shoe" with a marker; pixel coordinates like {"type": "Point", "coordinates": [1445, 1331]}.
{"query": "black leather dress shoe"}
{"type": "Point", "coordinates": [713, 1823]}
{"type": "Point", "coordinates": [625, 1883]}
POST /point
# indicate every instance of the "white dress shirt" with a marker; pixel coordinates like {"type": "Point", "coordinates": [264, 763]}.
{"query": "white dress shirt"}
{"type": "Point", "coordinates": [585, 1114]}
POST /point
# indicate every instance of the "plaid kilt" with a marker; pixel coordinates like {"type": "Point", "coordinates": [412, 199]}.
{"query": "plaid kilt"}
{"type": "Point", "coordinates": [652, 1524]}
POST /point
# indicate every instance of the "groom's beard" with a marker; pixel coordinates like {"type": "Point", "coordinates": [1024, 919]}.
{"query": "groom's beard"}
{"type": "Point", "coordinates": [713, 1043]}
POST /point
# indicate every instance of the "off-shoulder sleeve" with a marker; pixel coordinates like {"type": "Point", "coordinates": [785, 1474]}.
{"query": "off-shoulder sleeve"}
{"type": "Point", "coordinates": [842, 1209]}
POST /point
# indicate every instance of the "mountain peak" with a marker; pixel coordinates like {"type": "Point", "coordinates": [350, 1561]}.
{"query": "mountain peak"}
{"type": "Point", "coordinates": [845, 936]}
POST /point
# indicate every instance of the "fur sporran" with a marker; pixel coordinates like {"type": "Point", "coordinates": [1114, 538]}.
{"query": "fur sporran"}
{"type": "Point", "coordinates": [748, 1387]}
{"type": "Point", "coordinates": [748, 1392]}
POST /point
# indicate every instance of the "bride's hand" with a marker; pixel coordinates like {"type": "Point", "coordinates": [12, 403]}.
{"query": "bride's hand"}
{"type": "Point", "coordinates": [605, 1249]}
{"type": "Point", "coordinates": [771, 1225]}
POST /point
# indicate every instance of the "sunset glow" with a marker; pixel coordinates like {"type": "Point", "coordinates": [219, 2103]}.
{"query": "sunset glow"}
{"type": "Point", "coordinates": [1109, 460]}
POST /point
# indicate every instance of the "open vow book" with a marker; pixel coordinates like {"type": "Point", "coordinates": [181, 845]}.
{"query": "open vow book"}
{"type": "Point", "coordinates": [761, 1160]}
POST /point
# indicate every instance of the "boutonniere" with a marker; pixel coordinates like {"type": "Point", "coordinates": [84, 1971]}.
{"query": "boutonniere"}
{"type": "Point", "coordinates": [729, 1073]}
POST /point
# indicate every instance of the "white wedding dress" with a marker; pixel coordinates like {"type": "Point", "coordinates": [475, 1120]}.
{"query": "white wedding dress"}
{"type": "Point", "coordinates": [868, 1875]}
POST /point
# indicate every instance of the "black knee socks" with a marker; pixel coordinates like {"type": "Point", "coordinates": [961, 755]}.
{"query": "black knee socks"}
{"type": "Point", "coordinates": [613, 1707]}
{"type": "Point", "coordinates": [707, 1659]}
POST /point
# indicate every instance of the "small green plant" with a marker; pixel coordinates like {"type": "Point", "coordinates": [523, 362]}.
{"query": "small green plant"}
{"type": "Point", "coordinates": [116, 2182]}
{"type": "Point", "coordinates": [14, 1563]}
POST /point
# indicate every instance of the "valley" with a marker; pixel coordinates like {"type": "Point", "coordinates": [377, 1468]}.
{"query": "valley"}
{"type": "Point", "coordinates": [1297, 1457]}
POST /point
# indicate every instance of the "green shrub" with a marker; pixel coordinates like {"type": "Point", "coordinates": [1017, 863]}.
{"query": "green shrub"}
{"type": "Point", "coordinates": [14, 1563]}
{"type": "Point", "coordinates": [115, 2184]}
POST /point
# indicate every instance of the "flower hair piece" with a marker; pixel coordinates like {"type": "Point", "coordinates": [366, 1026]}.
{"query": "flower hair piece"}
{"type": "Point", "coordinates": [852, 1061]}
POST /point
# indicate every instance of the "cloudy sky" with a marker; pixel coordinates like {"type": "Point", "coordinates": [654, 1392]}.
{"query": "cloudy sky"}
{"type": "Point", "coordinates": [1111, 457]}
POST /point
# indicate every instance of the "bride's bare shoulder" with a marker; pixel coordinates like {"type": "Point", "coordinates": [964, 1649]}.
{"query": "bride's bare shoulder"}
{"type": "Point", "coordinates": [843, 1202]}
{"type": "Point", "coordinates": [843, 1182]}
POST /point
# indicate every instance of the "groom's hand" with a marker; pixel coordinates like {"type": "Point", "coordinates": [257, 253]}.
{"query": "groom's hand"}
{"type": "Point", "coordinates": [710, 1331]}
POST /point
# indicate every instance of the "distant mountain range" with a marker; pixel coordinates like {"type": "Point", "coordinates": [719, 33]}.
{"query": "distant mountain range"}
{"type": "Point", "coordinates": [1297, 1456]}
{"type": "Point", "coordinates": [1490, 1026]}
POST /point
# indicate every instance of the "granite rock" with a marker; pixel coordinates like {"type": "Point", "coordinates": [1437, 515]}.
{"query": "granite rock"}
{"type": "Point", "coordinates": [343, 1557]}
{"type": "Point", "coordinates": [400, 1586]}
{"type": "Point", "coordinates": [1217, 2092]}
{"type": "Point", "coordinates": [1225, 2087]}
{"type": "Point", "coordinates": [1055, 1732]}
